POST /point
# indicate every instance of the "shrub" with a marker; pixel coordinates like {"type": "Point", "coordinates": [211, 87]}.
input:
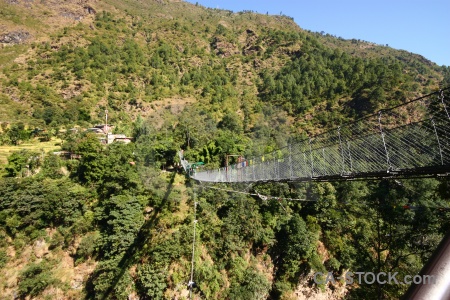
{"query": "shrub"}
{"type": "Point", "coordinates": [87, 247]}
{"type": "Point", "coordinates": [35, 279]}
{"type": "Point", "coordinates": [253, 286]}
{"type": "Point", "coordinates": [56, 241]}
{"type": "Point", "coordinates": [3, 258]}
{"type": "Point", "coordinates": [152, 282]}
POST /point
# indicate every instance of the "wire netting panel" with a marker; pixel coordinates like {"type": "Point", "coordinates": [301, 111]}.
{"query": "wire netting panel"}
{"type": "Point", "coordinates": [412, 146]}
{"type": "Point", "coordinates": [408, 136]}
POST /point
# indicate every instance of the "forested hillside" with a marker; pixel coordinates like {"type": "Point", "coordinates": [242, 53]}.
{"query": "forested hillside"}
{"type": "Point", "coordinates": [116, 221]}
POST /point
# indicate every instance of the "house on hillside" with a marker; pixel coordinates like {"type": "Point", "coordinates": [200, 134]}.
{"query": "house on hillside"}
{"type": "Point", "coordinates": [119, 138]}
{"type": "Point", "coordinates": [67, 154]}
{"type": "Point", "coordinates": [95, 130]}
{"type": "Point", "coordinates": [104, 127]}
{"type": "Point", "coordinates": [105, 137]}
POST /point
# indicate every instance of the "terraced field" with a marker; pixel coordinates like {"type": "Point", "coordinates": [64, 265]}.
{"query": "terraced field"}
{"type": "Point", "coordinates": [34, 145]}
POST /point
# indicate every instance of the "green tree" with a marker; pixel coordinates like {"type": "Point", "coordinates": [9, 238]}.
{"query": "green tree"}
{"type": "Point", "coordinates": [22, 162]}
{"type": "Point", "coordinates": [91, 166]}
{"type": "Point", "coordinates": [296, 245]}
{"type": "Point", "coordinates": [152, 281]}
{"type": "Point", "coordinates": [51, 167]}
{"type": "Point", "coordinates": [254, 285]}
{"type": "Point", "coordinates": [118, 175]}
{"type": "Point", "coordinates": [18, 133]}
{"type": "Point", "coordinates": [231, 122]}
{"type": "Point", "coordinates": [35, 278]}
{"type": "Point", "coordinates": [120, 218]}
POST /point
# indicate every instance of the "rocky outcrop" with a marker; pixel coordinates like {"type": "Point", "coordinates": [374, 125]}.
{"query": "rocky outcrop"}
{"type": "Point", "coordinates": [71, 15]}
{"type": "Point", "coordinates": [14, 37]}
{"type": "Point", "coordinates": [89, 9]}
{"type": "Point", "coordinates": [224, 48]}
{"type": "Point", "coordinates": [251, 43]}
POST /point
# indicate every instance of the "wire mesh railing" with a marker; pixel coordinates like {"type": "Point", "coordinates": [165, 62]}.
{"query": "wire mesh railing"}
{"type": "Point", "coordinates": [405, 139]}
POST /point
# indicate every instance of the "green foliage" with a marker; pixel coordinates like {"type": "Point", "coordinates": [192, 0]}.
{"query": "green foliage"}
{"type": "Point", "coordinates": [35, 278]}
{"type": "Point", "coordinates": [298, 83]}
{"type": "Point", "coordinates": [145, 57]}
{"type": "Point", "coordinates": [91, 167]}
{"type": "Point", "coordinates": [22, 163]}
{"type": "Point", "coordinates": [117, 174]}
{"type": "Point", "coordinates": [296, 247]}
{"type": "Point", "coordinates": [120, 217]}
{"type": "Point", "coordinates": [171, 248]}
{"type": "Point", "coordinates": [17, 134]}
{"type": "Point", "coordinates": [209, 281]}
{"type": "Point", "coordinates": [56, 241]}
{"type": "Point", "coordinates": [87, 247]}
{"type": "Point", "coordinates": [108, 169]}
{"type": "Point", "coordinates": [231, 122]}
{"type": "Point", "coordinates": [333, 264]}
{"type": "Point", "coordinates": [152, 281]}
{"type": "Point", "coordinates": [105, 282]}
{"type": "Point", "coordinates": [51, 167]}
{"type": "Point", "coordinates": [253, 285]}
{"type": "Point", "coordinates": [3, 258]}
{"type": "Point", "coordinates": [39, 203]}
{"type": "Point", "coordinates": [376, 229]}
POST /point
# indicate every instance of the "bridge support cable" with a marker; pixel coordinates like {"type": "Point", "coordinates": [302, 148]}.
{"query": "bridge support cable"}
{"type": "Point", "coordinates": [310, 157]}
{"type": "Point", "coordinates": [342, 150]}
{"type": "Point", "coordinates": [261, 196]}
{"type": "Point", "coordinates": [412, 139]}
{"type": "Point", "coordinates": [439, 143]}
{"type": "Point", "coordinates": [441, 97]}
{"type": "Point", "coordinates": [291, 174]}
{"type": "Point", "coordinates": [350, 156]}
{"type": "Point", "coordinates": [384, 142]}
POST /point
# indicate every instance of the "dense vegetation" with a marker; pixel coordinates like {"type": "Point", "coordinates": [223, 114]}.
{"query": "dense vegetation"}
{"type": "Point", "coordinates": [212, 82]}
{"type": "Point", "coordinates": [247, 247]}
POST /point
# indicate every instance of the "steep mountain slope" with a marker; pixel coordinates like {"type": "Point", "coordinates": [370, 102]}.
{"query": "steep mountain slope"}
{"type": "Point", "coordinates": [71, 60]}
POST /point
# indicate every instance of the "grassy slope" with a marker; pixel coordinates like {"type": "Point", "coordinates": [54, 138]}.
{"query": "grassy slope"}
{"type": "Point", "coordinates": [179, 24]}
{"type": "Point", "coordinates": [32, 145]}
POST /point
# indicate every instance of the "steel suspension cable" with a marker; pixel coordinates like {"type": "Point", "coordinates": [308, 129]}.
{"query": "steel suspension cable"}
{"type": "Point", "coordinates": [387, 143]}
{"type": "Point", "coordinates": [262, 197]}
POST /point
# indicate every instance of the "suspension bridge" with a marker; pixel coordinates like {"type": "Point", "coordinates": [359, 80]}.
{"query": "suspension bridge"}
{"type": "Point", "coordinates": [410, 139]}
{"type": "Point", "coordinates": [407, 140]}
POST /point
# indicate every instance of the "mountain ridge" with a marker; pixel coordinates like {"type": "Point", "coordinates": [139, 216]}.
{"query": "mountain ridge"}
{"type": "Point", "coordinates": [68, 14]}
